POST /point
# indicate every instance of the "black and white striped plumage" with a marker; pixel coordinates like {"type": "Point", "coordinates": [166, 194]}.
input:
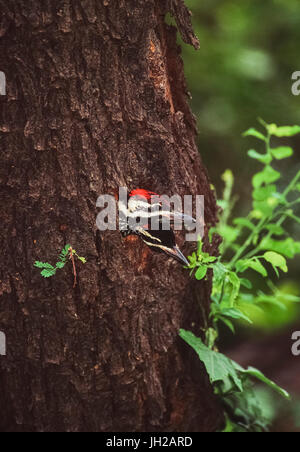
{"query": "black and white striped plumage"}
{"type": "Point", "coordinates": [136, 219]}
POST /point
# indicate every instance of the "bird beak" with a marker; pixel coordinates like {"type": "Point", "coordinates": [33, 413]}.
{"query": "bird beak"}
{"type": "Point", "coordinates": [175, 252]}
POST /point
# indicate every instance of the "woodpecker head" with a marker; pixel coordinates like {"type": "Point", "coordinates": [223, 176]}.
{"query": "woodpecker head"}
{"type": "Point", "coordinates": [143, 200]}
{"type": "Point", "coordinates": [142, 193]}
{"type": "Point", "coordinates": [140, 199]}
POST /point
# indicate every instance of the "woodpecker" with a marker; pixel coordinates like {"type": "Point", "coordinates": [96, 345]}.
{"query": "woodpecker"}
{"type": "Point", "coordinates": [143, 208]}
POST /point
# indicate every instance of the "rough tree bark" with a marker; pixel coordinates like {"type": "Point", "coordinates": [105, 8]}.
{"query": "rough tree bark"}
{"type": "Point", "coordinates": [96, 99]}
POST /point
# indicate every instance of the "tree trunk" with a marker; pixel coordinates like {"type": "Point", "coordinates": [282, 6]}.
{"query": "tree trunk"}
{"type": "Point", "coordinates": [96, 99]}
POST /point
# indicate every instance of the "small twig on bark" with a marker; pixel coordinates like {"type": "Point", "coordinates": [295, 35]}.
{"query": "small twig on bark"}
{"type": "Point", "coordinates": [74, 266]}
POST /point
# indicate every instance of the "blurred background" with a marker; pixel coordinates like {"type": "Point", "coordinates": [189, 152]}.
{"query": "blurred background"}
{"type": "Point", "coordinates": [249, 51]}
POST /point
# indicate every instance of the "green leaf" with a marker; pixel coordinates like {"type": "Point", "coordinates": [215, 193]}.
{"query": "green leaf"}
{"type": "Point", "coordinates": [236, 285]}
{"type": "Point", "coordinates": [244, 222]}
{"type": "Point", "coordinates": [275, 229]}
{"type": "Point", "coordinates": [60, 265]}
{"type": "Point", "coordinates": [234, 313]}
{"type": "Point", "coordinates": [287, 131]}
{"type": "Point", "coordinates": [267, 176]}
{"type": "Point", "coordinates": [65, 251]}
{"type": "Point", "coordinates": [244, 264]}
{"type": "Point", "coordinates": [82, 259]}
{"type": "Point", "coordinates": [276, 260]}
{"type": "Point", "coordinates": [217, 365]}
{"type": "Point", "coordinates": [228, 178]}
{"type": "Point", "coordinates": [246, 283]}
{"type": "Point", "coordinates": [228, 233]}
{"type": "Point", "coordinates": [201, 273]}
{"type": "Point", "coordinates": [251, 371]}
{"type": "Point", "coordinates": [258, 267]}
{"type": "Point", "coordinates": [288, 247]}
{"type": "Point", "coordinates": [219, 275]}
{"type": "Point", "coordinates": [263, 158]}
{"type": "Point", "coordinates": [269, 299]}
{"type": "Point", "coordinates": [254, 133]}
{"type": "Point", "coordinates": [264, 208]}
{"type": "Point", "coordinates": [263, 193]}
{"type": "Point", "coordinates": [193, 260]}
{"type": "Point", "coordinates": [228, 323]}
{"type": "Point", "coordinates": [289, 298]}
{"type": "Point", "coordinates": [48, 273]}
{"type": "Point", "coordinates": [282, 152]}
{"type": "Point", "coordinates": [222, 369]}
{"type": "Point", "coordinates": [43, 265]}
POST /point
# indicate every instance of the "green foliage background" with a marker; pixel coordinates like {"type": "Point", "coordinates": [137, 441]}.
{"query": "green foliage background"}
{"type": "Point", "coordinates": [249, 51]}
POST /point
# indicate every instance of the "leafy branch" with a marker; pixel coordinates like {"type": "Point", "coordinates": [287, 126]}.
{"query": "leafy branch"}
{"type": "Point", "coordinates": [232, 382]}
{"type": "Point", "coordinates": [67, 254]}
{"type": "Point", "coordinates": [252, 244]}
